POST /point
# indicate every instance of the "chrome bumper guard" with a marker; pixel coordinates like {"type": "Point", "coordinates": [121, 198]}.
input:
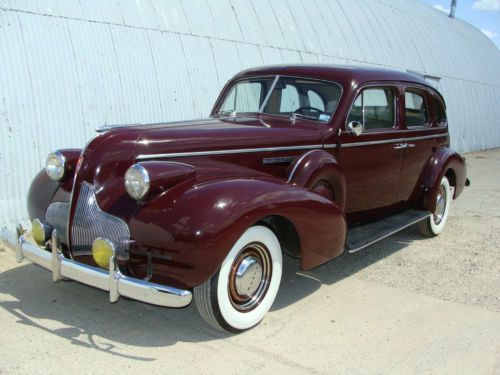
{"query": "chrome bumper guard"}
{"type": "Point", "coordinates": [113, 281]}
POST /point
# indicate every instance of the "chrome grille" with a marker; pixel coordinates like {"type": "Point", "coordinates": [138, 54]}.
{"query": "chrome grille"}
{"type": "Point", "coordinates": [57, 217]}
{"type": "Point", "coordinates": [90, 222]}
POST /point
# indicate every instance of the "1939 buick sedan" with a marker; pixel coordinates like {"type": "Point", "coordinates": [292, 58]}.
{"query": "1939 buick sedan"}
{"type": "Point", "coordinates": [310, 161]}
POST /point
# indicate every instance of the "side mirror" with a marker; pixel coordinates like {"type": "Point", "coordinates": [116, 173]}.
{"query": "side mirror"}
{"type": "Point", "coordinates": [355, 128]}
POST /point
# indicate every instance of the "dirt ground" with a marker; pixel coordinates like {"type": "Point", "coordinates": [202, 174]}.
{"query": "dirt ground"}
{"type": "Point", "coordinates": [405, 305]}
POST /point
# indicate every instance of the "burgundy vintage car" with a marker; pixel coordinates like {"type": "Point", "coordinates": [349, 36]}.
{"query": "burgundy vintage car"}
{"type": "Point", "coordinates": [310, 161]}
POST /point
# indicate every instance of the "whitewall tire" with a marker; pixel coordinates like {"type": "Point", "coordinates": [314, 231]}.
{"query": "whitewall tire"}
{"type": "Point", "coordinates": [436, 222]}
{"type": "Point", "coordinates": [241, 293]}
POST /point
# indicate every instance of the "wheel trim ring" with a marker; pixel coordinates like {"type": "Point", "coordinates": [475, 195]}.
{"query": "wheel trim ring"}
{"type": "Point", "coordinates": [261, 253]}
{"type": "Point", "coordinates": [440, 205]}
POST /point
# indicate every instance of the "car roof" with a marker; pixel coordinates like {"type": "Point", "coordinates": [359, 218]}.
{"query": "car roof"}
{"type": "Point", "coordinates": [344, 74]}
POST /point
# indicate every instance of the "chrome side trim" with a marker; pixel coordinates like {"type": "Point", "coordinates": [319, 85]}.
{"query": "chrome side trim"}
{"type": "Point", "coordinates": [370, 143]}
{"type": "Point", "coordinates": [394, 140]}
{"type": "Point", "coordinates": [389, 234]}
{"type": "Point", "coordinates": [296, 165]}
{"type": "Point", "coordinates": [425, 137]}
{"type": "Point", "coordinates": [112, 281]}
{"type": "Point", "coordinates": [226, 152]}
{"type": "Point", "coordinates": [285, 148]}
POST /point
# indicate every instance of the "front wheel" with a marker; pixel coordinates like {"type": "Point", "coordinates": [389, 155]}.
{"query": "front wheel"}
{"type": "Point", "coordinates": [241, 293]}
{"type": "Point", "coordinates": [434, 225]}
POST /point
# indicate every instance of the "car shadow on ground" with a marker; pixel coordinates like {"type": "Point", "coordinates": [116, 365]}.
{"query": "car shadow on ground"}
{"type": "Point", "coordinates": [81, 314]}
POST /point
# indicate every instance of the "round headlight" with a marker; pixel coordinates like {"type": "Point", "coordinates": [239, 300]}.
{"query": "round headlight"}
{"type": "Point", "coordinates": [56, 166]}
{"type": "Point", "coordinates": [137, 181]}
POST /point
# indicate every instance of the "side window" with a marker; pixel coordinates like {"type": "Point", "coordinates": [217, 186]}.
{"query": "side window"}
{"type": "Point", "coordinates": [315, 100]}
{"type": "Point", "coordinates": [374, 108]}
{"type": "Point", "coordinates": [416, 113]}
{"type": "Point", "coordinates": [289, 99]}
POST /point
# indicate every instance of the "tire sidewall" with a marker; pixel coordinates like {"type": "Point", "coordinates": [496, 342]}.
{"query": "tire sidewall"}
{"type": "Point", "coordinates": [438, 228]}
{"type": "Point", "coordinates": [244, 320]}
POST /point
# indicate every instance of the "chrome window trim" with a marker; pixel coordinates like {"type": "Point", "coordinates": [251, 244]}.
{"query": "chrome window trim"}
{"type": "Point", "coordinates": [227, 152]}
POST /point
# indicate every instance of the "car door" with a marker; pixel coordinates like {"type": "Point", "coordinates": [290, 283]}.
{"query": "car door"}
{"type": "Point", "coordinates": [422, 134]}
{"type": "Point", "coordinates": [371, 161]}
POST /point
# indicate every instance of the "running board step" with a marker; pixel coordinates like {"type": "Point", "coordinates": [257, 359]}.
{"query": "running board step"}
{"type": "Point", "coordinates": [361, 236]}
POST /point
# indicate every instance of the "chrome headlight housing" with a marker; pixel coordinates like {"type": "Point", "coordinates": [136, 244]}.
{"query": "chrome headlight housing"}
{"type": "Point", "coordinates": [56, 166]}
{"type": "Point", "coordinates": [137, 181]}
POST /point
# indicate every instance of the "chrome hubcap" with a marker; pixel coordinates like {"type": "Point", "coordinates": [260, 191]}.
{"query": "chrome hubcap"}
{"type": "Point", "coordinates": [250, 276]}
{"type": "Point", "coordinates": [440, 205]}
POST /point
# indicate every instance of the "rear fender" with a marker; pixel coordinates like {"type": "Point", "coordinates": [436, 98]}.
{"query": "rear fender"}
{"type": "Point", "coordinates": [444, 161]}
{"type": "Point", "coordinates": [190, 231]}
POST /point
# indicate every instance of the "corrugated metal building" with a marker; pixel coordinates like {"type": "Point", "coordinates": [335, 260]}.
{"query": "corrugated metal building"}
{"type": "Point", "coordinates": [68, 66]}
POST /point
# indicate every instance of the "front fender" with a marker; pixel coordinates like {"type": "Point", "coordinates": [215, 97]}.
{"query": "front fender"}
{"type": "Point", "coordinates": [443, 161]}
{"type": "Point", "coordinates": [316, 166]}
{"type": "Point", "coordinates": [189, 231]}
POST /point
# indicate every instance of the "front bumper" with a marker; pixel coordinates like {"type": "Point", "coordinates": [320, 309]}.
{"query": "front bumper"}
{"type": "Point", "coordinates": [113, 281]}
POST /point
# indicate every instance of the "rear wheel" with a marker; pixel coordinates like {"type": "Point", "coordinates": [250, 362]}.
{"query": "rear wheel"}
{"type": "Point", "coordinates": [238, 296]}
{"type": "Point", "coordinates": [434, 225]}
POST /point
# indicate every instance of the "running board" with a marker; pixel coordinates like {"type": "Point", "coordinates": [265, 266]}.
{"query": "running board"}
{"type": "Point", "coordinates": [361, 236]}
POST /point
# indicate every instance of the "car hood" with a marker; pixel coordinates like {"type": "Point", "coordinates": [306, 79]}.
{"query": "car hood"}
{"type": "Point", "coordinates": [223, 134]}
{"type": "Point", "coordinates": [108, 156]}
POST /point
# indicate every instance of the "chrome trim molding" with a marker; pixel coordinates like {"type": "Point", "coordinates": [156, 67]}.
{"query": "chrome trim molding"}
{"type": "Point", "coordinates": [226, 152]}
{"type": "Point", "coordinates": [284, 148]}
{"type": "Point", "coordinates": [425, 137]}
{"type": "Point", "coordinates": [389, 234]}
{"type": "Point", "coordinates": [394, 140]}
{"type": "Point", "coordinates": [112, 281]}
{"type": "Point", "coordinates": [296, 165]}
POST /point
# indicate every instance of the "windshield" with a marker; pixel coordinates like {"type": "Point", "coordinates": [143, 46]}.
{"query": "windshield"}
{"type": "Point", "coordinates": [287, 96]}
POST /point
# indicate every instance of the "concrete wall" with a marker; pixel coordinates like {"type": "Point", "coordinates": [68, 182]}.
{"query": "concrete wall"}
{"type": "Point", "coordinates": [69, 66]}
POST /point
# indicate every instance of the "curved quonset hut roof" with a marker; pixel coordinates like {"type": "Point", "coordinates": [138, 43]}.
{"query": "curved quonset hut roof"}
{"type": "Point", "coordinates": [72, 66]}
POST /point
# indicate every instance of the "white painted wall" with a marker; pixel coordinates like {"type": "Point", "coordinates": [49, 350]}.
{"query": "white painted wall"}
{"type": "Point", "coordinates": [69, 66]}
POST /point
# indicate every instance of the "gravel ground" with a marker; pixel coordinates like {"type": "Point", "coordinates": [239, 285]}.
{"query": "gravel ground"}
{"type": "Point", "coordinates": [405, 305]}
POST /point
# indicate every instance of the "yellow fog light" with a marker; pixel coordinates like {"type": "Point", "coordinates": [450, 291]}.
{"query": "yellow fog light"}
{"type": "Point", "coordinates": [102, 250]}
{"type": "Point", "coordinates": [40, 232]}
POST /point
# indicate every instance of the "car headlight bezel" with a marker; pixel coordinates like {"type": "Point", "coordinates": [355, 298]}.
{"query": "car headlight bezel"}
{"type": "Point", "coordinates": [137, 182]}
{"type": "Point", "coordinates": [55, 167]}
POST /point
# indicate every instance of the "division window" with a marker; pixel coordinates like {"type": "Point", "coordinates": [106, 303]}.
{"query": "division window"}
{"type": "Point", "coordinates": [374, 108]}
{"type": "Point", "coordinates": [416, 113]}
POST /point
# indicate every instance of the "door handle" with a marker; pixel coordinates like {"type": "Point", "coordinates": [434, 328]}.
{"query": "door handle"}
{"type": "Point", "coordinates": [400, 146]}
{"type": "Point", "coordinates": [410, 145]}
